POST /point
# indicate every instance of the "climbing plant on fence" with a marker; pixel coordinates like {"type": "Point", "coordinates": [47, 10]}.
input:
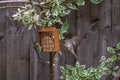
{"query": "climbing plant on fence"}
{"type": "Point", "coordinates": [51, 13]}
{"type": "Point", "coordinates": [105, 67]}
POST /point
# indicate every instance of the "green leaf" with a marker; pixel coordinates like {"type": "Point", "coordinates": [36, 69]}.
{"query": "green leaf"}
{"type": "Point", "coordinates": [104, 69]}
{"type": "Point", "coordinates": [61, 77]}
{"type": "Point", "coordinates": [60, 1]}
{"type": "Point", "coordinates": [55, 12]}
{"type": "Point", "coordinates": [82, 67]}
{"type": "Point", "coordinates": [74, 71]}
{"type": "Point", "coordinates": [100, 66]}
{"type": "Point", "coordinates": [109, 71]}
{"type": "Point", "coordinates": [65, 12]}
{"type": "Point", "coordinates": [110, 50]}
{"type": "Point", "coordinates": [114, 74]}
{"type": "Point", "coordinates": [109, 65]}
{"type": "Point", "coordinates": [91, 71]}
{"type": "Point", "coordinates": [36, 18]}
{"type": "Point", "coordinates": [61, 68]}
{"type": "Point", "coordinates": [61, 35]}
{"type": "Point", "coordinates": [108, 60]}
{"type": "Point", "coordinates": [114, 57]}
{"type": "Point", "coordinates": [34, 3]}
{"type": "Point", "coordinates": [58, 19]}
{"type": "Point", "coordinates": [64, 70]}
{"type": "Point", "coordinates": [96, 1]}
{"type": "Point", "coordinates": [18, 18]}
{"type": "Point", "coordinates": [33, 13]}
{"type": "Point", "coordinates": [71, 6]}
{"type": "Point", "coordinates": [62, 7]}
{"type": "Point", "coordinates": [70, 67]}
{"type": "Point", "coordinates": [80, 2]}
{"type": "Point", "coordinates": [116, 68]}
{"type": "Point", "coordinates": [118, 45]}
{"type": "Point", "coordinates": [81, 73]}
{"type": "Point", "coordinates": [64, 28]}
{"type": "Point", "coordinates": [119, 56]}
{"type": "Point", "coordinates": [67, 76]}
{"type": "Point", "coordinates": [26, 20]}
{"type": "Point", "coordinates": [98, 75]}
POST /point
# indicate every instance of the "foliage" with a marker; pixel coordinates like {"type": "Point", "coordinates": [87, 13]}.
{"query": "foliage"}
{"type": "Point", "coordinates": [96, 1]}
{"type": "Point", "coordinates": [51, 13]}
{"type": "Point", "coordinates": [105, 67]}
{"type": "Point", "coordinates": [54, 10]}
{"type": "Point", "coordinates": [28, 15]}
{"type": "Point", "coordinates": [63, 29]}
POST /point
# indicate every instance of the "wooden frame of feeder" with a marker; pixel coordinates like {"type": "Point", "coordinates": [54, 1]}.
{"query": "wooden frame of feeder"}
{"type": "Point", "coordinates": [49, 39]}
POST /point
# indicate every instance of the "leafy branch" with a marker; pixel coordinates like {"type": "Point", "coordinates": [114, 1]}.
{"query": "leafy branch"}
{"type": "Point", "coordinates": [105, 67]}
{"type": "Point", "coordinates": [51, 13]}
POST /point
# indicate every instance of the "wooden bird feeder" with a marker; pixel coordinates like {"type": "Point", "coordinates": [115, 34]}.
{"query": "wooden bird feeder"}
{"type": "Point", "coordinates": [49, 39]}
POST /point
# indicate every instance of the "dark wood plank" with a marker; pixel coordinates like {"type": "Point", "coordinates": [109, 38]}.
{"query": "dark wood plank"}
{"type": "Point", "coordinates": [2, 45]}
{"type": "Point", "coordinates": [17, 50]}
{"type": "Point", "coordinates": [87, 51]}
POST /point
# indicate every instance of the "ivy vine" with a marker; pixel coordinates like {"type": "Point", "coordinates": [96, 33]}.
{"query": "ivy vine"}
{"type": "Point", "coordinates": [51, 13]}
{"type": "Point", "coordinates": [106, 66]}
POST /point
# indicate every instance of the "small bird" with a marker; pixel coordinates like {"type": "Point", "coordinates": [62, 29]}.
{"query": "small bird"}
{"type": "Point", "coordinates": [73, 43]}
{"type": "Point", "coordinates": [37, 49]}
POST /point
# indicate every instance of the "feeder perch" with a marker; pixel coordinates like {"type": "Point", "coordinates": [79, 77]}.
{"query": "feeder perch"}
{"type": "Point", "coordinates": [49, 39]}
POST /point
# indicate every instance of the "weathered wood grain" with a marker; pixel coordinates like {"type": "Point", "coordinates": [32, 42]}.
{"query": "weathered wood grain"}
{"type": "Point", "coordinates": [18, 60]}
{"type": "Point", "coordinates": [2, 45]}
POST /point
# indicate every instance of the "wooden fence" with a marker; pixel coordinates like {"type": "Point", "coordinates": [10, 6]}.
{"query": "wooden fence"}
{"type": "Point", "coordinates": [18, 60]}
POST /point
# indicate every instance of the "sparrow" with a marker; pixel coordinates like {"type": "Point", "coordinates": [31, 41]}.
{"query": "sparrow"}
{"type": "Point", "coordinates": [73, 43]}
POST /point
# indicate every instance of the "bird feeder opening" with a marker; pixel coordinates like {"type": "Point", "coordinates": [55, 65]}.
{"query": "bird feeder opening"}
{"type": "Point", "coordinates": [49, 39]}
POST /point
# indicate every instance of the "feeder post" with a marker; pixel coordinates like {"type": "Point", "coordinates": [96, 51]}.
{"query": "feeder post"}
{"type": "Point", "coordinates": [51, 66]}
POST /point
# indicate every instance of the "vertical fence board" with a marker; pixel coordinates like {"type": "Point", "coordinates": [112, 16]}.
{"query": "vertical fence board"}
{"type": "Point", "coordinates": [88, 50]}
{"type": "Point", "coordinates": [115, 26]}
{"type": "Point", "coordinates": [105, 29]}
{"type": "Point", "coordinates": [17, 50]}
{"type": "Point", "coordinates": [2, 45]}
